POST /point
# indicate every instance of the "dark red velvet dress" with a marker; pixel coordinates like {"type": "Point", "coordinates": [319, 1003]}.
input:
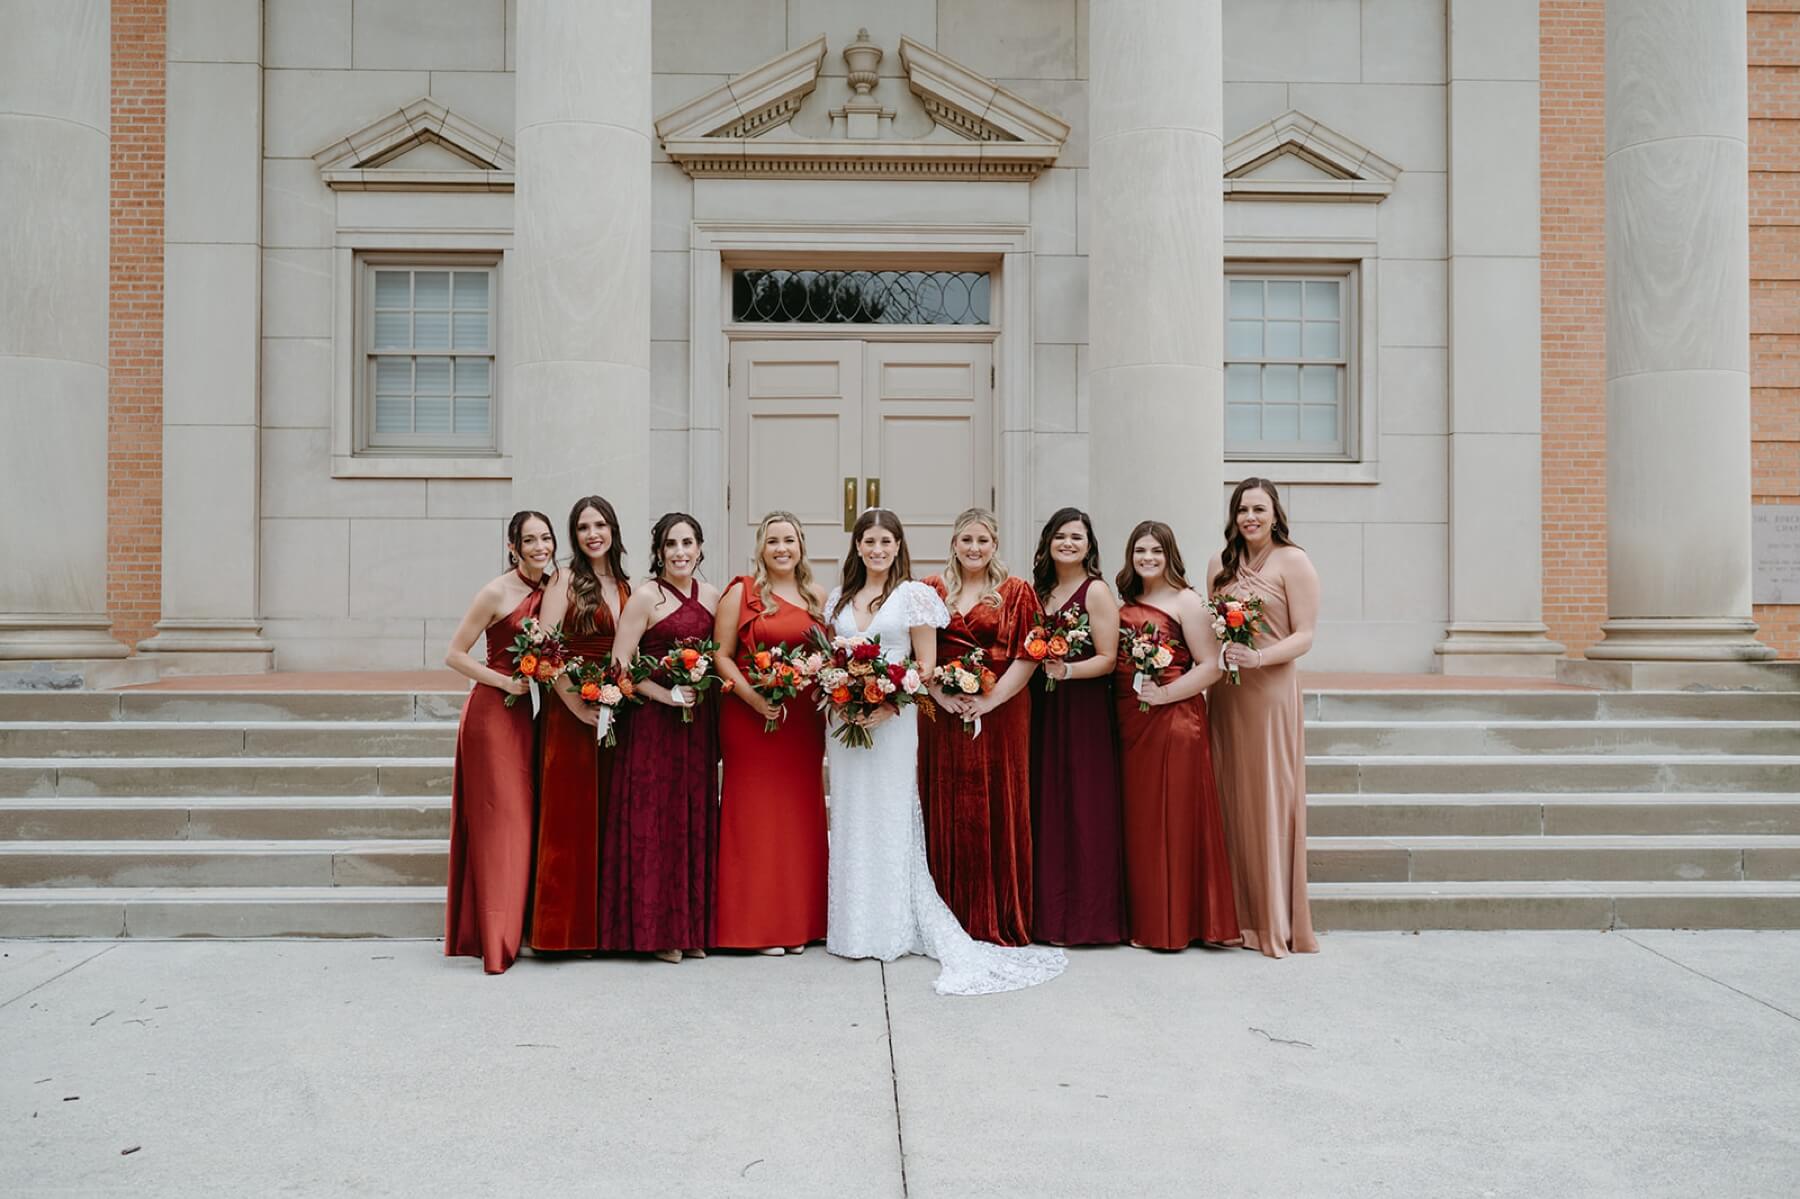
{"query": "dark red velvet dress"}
{"type": "Point", "coordinates": [1077, 828]}
{"type": "Point", "coordinates": [772, 863]}
{"type": "Point", "coordinates": [657, 855]}
{"type": "Point", "coordinates": [1178, 880]}
{"type": "Point", "coordinates": [574, 774]}
{"type": "Point", "coordinates": [492, 796]}
{"type": "Point", "coordinates": [976, 791]}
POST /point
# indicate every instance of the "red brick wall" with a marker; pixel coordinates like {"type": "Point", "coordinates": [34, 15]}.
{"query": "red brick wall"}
{"type": "Point", "coordinates": [1572, 145]}
{"type": "Point", "coordinates": [1775, 278]}
{"type": "Point", "coordinates": [134, 423]}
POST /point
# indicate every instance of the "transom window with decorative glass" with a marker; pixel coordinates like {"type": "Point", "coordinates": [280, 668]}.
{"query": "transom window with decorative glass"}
{"type": "Point", "coordinates": [770, 297]}
{"type": "Point", "coordinates": [1289, 387]}
{"type": "Point", "coordinates": [429, 336]}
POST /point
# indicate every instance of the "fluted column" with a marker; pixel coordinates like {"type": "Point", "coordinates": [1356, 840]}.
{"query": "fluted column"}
{"type": "Point", "coordinates": [1155, 270]}
{"type": "Point", "coordinates": [580, 267]}
{"type": "Point", "coordinates": [55, 137]}
{"type": "Point", "coordinates": [1677, 334]}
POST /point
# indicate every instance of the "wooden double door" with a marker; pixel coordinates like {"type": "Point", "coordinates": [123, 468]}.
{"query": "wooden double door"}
{"type": "Point", "coordinates": [827, 427]}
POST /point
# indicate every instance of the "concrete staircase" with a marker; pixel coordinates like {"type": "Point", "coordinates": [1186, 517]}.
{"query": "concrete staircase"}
{"type": "Point", "coordinates": [168, 813]}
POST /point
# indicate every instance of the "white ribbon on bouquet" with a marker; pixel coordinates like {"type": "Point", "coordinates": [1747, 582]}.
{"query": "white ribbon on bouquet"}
{"type": "Point", "coordinates": [603, 717]}
{"type": "Point", "coordinates": [532, 683]}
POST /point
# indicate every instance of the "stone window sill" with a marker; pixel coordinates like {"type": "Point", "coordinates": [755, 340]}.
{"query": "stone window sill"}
{"type": "Point", "coordinates": [1352, 473]}
{"type": "Point", "coordinates": [422, 466]}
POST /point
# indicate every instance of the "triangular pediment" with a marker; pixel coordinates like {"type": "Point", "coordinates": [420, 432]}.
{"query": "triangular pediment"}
{"type": "Point", "coordinates": [743, 128]}
{"type": "Point", "coordinates": [1295, 157]}
{"type": "Point", "coordinates": [421, 147]}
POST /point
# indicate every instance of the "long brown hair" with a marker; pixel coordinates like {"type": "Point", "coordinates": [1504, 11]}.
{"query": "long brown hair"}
{"type": "Point", "coordinates": [1237, 550]}
{"type": "Point", "coordinates": [996, 572]}
{"type": "Point", "coordinates": [585, 593]}
{"type": "Point", "coordinates": [1131, 584]}
{"type": "Point", "coordinates": [803, 576]}
{"type": "Point", "coordinates": [854, 574]}
{"type": "Point", "coordinates": [1043, 566]}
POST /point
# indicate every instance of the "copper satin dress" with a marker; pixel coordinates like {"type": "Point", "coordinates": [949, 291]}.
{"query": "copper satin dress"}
{"type": "Point", "coordinates": [1259, 744]}
{"type": "Point", "coordinates": [1177, 877]}
{"type": "Point", "coordinates": [492, 797]}
{"type": "Point", "coordinates": [658, 848]}
{"type": "Point", "coordinates": [772, 853]}
{"type": "Point", "coordinates": [574, 774]}
{"type": "Point", "coordinates": [1077, 829]}
{"type": "Point", "coordinates": [976, 791]}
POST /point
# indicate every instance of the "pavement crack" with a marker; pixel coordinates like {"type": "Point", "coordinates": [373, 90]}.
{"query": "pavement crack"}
{"type": "Point", "coordinates": [1773, 1007]}
{"type": "Point", "coordinates": [1275, 1040]}
{"type": "Point", "coordinates": [78, 965]}
{"type": "Point", "coordinates": [893, 1077]}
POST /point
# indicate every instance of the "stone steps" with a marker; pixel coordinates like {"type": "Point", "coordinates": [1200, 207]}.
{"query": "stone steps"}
{"type": "Point", "coordinates": [90, 777]}
{"type": "Point", "coordinates": [170, 912]}
{"type": "Point", "coordinates": [1541, 905]}
{"type": "Point", "coordinates": [162, 818]}
{"type": "Point", "coordinates": [1500, 814]}
{"type": "Point", "coordinates": [250, 739]}
{"type": "Point", "coordinates": [202, 706]}
{"type": "Point", "coordinates": [1591, 737]}
{"type": "Point", "coordinates": [235, 863]}
{"type": "Point", "coordinates": [1397, 706]}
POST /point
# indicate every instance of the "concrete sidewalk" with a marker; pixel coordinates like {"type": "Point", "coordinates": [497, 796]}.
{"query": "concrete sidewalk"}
{"type": "Point", "coordinates": [1483, 1064]}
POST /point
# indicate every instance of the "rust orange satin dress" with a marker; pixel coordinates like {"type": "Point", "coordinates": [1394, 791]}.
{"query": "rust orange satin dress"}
{"type": "Point", "coordinates": [574, 772]}
{"type": "Point", "coordinates": [1177, 876]}
{"type": "Point", "coordinates": [492, 797]}
{"type": "Point", "coordinates": [1259, 739]}
{"type": "Point", "coordinates": [976, 791]}
{"type": "Point", "coordinates": [770, 888]}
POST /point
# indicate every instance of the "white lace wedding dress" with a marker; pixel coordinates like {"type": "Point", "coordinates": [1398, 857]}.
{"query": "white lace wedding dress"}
{"type": "Point", "coordinates": [882, 902]}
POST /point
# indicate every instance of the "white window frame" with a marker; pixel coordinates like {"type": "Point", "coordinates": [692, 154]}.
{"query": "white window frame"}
{"type": "Point", "coordinates": [414, 444]}
{"type": "Point", "coordinates": [369, 242]}
{"type": "Point", "coordinates": [1349, 310]}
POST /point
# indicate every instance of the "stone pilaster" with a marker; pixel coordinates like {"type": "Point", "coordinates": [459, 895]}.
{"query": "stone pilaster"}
{"type": "Point", "coordinates": [1495, 359]}
{"type": "Point", "coordinates": [580, 268]}
{"type": "Point", "coordinates": [212, 339]}
{"type": "Point", "coordinates": [1155, 263]}
{"type": "Point", "coordinates": [1677, 334]}
{"type": "Point", "coordinates": [55, 137]}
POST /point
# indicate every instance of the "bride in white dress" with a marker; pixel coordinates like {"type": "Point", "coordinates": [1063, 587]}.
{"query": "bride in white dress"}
{"type": "Point", "coordinates": [882, 902]}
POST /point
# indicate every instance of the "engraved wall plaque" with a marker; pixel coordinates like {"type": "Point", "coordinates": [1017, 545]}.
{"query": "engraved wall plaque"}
{"type": "Point", "coordinates": [1775, 553]}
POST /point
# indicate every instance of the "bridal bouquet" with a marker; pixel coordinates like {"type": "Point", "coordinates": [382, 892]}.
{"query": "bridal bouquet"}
{"type": "Point", "coordinates": [780, 674]}
{"type": "Point", "coordinates": [688, 664]}
{"type": "Point", "coordinates": [599, 689]}
{"type": "Point", "coordinates": [1237, 621]}
{"type": "Point", "coordinates": [855, 682]}
{"type": "Point", "coordinates": [1150, 652]}
{"type": "Point", "coordinates": [540, 655]}
{"type": "Point", "coordinates": [1061, 637]}
{"type": "Point", "coordinates": [966, 676]}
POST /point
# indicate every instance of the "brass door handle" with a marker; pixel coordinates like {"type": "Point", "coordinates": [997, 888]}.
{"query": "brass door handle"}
{"type": "Point", "coordinates": [849, 503]}
{"type": "Point", "coordinates": [872, 493]}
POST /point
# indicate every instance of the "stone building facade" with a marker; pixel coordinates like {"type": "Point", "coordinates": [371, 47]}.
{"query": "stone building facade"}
{"type": "Point", "coordinates": [300, 298]}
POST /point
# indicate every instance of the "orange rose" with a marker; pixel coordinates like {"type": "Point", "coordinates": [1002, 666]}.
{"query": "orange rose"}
{"type": "Point", "coordinates": [1036, 648]}
{"type": "Point", "coordinates": [689, 657]}
{"type": "Point", "coordinates": [1059, 646]}
{"type": "Point", "coordinates": [841, 696]}
{"type": "Point", "coordinates": [627, 688]}
{"type": "Point", "coordinates": [546, 669]}
{"type": "Point", "coordinates": [871, 692]}
{"type": "Point", "coordinates": [762, 659]}
{"type": "Point", "coordinates": [1234, 619]}
{"type": "Point", "coordinates": [987, 679]}
{"type": "Point", "coordinates": [528, 665]}
{"type": "Point", "coordinates": [590, 692]}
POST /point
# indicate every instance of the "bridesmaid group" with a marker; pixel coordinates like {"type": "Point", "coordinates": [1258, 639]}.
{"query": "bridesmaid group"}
{"type": "Point", "coordinates": [1090, 808]}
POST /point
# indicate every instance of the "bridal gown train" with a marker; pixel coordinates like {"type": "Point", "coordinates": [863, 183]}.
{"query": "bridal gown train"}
{"type": "Point", "coordinates": [882, 902]}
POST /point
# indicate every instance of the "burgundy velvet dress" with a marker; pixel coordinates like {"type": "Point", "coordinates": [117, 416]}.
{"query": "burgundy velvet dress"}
{"type": "Point", "coordinates": [574, 775]}
{"type": "Point", "coordinates": [976, 791]}
{"type": "Point", "coordinates": [659, 850]}
{"type": "Point", "coordinates": [1077, 829]}
{"type": "Point", "coordinates": [1178, 880]}
{"type": "Point", "coordinates": [492, 797]}
{"type": "Point", "coordinates": [772, 853]}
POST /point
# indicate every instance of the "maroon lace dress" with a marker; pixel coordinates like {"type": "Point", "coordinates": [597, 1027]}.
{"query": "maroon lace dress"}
{"type": "Point", "coordinates": [659, 846]}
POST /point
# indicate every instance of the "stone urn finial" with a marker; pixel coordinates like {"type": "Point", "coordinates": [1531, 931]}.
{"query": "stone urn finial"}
{"type": "Point", "coordinates": [863, 57]}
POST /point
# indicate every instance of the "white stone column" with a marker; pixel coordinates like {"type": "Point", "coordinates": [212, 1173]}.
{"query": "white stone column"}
{"type": "Point", "coordinates": [212, 342]}
{"type": "Point", "coordinates": [580, 268]}
{"type": "Point", "coordinates": [1156, 248]}
{"type": "Point", "coordinates": [55, 144]}
{"type": "Point", "coordinates": [1677, 334]}
{"type": "Point", "coordinates": [1495, 358]}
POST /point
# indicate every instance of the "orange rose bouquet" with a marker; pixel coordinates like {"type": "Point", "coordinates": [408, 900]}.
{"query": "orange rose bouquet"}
{"type": "Point", "coordinates": [600, 687]}
{"type": "Point", "coordinates": [1236, 620]}
{"type": "Point", "coordinates": [687, 664]}
{"type": "Point", "coordinates": [1149, 651]}
{"type": "Point", "coordinates": [780, 674]}
{"type": "Point", "coordinates": [856, 681]}
{"type": "Point", "coordinates": [1062, 637]}
{"type": "Point", "coordinates": [966, 675]}
{"type": "Point", "coordinates": [540, 655]}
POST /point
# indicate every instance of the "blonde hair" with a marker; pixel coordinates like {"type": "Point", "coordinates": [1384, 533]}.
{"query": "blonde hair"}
{"type": "Point", "coordinates": [803, 576]}
{"type": "Point", "coordinates": [996, 569]}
